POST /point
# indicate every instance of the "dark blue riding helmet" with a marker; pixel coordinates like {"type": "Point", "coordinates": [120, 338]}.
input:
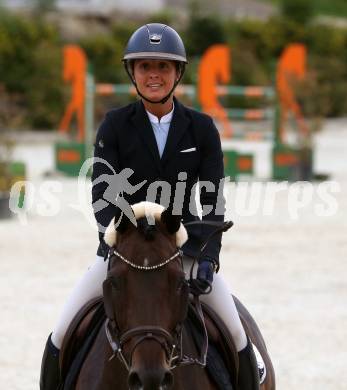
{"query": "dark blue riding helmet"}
{"type": "Point", "coordinates": [155, 41]}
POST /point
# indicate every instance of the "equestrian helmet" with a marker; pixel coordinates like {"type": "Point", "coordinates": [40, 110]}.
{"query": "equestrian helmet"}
{"type": "Point", "coordinates": [159, 42]}
{"type": "Point", "coordinates": [155, 41]}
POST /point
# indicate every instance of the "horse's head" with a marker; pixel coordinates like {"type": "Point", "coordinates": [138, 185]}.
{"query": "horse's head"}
{"type": "Point", "coordinates": [146, 294]}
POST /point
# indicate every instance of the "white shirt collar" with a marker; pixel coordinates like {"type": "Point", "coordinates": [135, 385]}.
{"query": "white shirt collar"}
{"type": "Point", "coordinates": [164, 119]}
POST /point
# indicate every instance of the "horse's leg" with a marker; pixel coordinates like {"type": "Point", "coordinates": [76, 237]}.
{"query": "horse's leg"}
{"type": "Point", "coordinates": [97, 372]}
{"type": "Point", "coordinates": [255, 335]}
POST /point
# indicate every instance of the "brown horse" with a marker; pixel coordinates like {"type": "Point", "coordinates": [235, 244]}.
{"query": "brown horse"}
{"type": "Point", "coordinates": [144, 344]}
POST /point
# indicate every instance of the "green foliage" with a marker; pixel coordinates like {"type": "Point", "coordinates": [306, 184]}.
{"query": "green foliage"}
{"type": "Point", "coordinates": [6, 146]}
{"type": "Point", "coordinates": [32, 91]}
{"type": "Point", "coordinates": [331, 7]}
{"type": "Point", "coordinates": [30, 68]}
{"type": "Point", "coordinates": [324, 7]}
{"type": "Point", "coordinates": [327, 41]}
{"type": "Point", "coordinates": [44, 95]}
{"type": "Point", "coordinates": [165, 16]}
{"type": "Point", "coordinates": [256, 46]}
{"type": "Point", "coordinates": [329, 89]}
{"type": "Point", "coordinates": [104, 54]}
{"type": "Point", "coordinates": [202, 32]}
{"type": "Point", "coordinates": [299, 11]}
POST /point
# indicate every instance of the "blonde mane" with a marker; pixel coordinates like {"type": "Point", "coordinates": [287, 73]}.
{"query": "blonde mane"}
{"type": "Point", "coordinates": [152, 211]}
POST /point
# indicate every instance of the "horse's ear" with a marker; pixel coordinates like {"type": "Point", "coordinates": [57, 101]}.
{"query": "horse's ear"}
{"type": "Point", "coordinates": [122, 225]}
{"type": "Point", "coordinates": [172, 222]}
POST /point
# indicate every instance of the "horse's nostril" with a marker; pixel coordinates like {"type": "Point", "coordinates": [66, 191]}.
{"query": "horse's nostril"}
{"type": "Point", "coordinates": [167, 381]}
{"type": "Point", "coordinates": [161, 380]}
{"type": "Point", "coordinates": [134, 381]}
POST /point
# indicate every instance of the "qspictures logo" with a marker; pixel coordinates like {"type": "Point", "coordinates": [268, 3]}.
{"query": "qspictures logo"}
{"type": "Point", "coordinates": [244, 199]}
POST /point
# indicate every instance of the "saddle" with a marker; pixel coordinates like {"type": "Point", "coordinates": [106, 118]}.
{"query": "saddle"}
{"type": "Point", "coordinates": [222, 357]}
{"type": "Point", "coordinates": [222, 360]}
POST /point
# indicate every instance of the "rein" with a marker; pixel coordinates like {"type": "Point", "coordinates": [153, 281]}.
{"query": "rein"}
{"type": "Point", "coordinates": [221, 227]}
{"type": "Point", "coordinates": [172, 345]}
{"type": "Point", "coordinates": [196, 290]}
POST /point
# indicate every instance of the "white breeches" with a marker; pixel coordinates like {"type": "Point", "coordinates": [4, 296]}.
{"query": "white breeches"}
{"type": "Point", "coordinates": [90, 286]}
{"type": "Point", "coordinates": [222, 302]}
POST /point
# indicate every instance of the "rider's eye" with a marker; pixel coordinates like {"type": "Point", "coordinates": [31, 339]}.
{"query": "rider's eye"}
{"type": "Point", "coordinates": [163, 65]}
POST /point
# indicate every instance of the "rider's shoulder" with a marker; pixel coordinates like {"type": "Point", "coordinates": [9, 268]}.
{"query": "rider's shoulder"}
{"type": "Point", "coordinates": [120, 112]}
{"type": "Point", "coordinates": [202, 124]}
{"type": "Point", "coordinates": [198, 117]}
{"type": "Point", "coordinates": [114, 121]}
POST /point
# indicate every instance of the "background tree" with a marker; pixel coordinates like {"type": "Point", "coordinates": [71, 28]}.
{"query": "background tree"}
{"type": "Point", "coordinates": [203, 30]}
{"type": "Point", "coordinates": [300, 11]}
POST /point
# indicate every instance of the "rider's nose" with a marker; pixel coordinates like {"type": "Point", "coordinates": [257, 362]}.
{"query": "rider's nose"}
{"type": "Point", "coordinates": [153, 76]}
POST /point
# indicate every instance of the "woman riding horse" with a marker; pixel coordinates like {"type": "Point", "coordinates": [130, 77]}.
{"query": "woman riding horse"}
{"type": "Point", "coordinates": [166, 146]}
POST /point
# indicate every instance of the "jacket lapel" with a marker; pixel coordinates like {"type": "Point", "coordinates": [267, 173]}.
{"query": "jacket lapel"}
{"type": "Point", "coordinates": [178, 127]}
{"type": "Point", "coordinates": [144, 128]}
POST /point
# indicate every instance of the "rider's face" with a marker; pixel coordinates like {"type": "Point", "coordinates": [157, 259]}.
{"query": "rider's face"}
{"type": "Point", "coordinates": [155, 78]}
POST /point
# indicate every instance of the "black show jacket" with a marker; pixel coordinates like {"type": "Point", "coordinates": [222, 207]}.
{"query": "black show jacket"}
{"type": "Point", "coordinates": [125, 139]}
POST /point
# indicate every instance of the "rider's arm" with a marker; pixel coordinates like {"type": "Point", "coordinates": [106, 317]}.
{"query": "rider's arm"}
{"type": "Point", "coordinates": [105, 163]}
{"type": "Point", "coordinates": [212, 171]}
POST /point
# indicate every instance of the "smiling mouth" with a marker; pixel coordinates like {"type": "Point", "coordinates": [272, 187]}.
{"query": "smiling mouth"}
{"type": "Point", "coordinates": [154, 86]}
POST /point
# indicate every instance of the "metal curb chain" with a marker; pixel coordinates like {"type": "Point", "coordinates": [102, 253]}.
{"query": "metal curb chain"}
{"type": "Point", "coordinates": [146, 267]}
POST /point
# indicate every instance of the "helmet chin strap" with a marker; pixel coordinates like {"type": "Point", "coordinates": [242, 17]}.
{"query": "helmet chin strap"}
{"type": "Point", "coordinates": [166, 98]}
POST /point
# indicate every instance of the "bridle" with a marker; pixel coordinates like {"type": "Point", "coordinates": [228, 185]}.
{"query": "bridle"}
{"type": "Point", "coordinates": [118, 340]}
{"type": "Point", "coordinates": [171, 343]}
{"type": "Point", "coordinates": [156, 333]}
